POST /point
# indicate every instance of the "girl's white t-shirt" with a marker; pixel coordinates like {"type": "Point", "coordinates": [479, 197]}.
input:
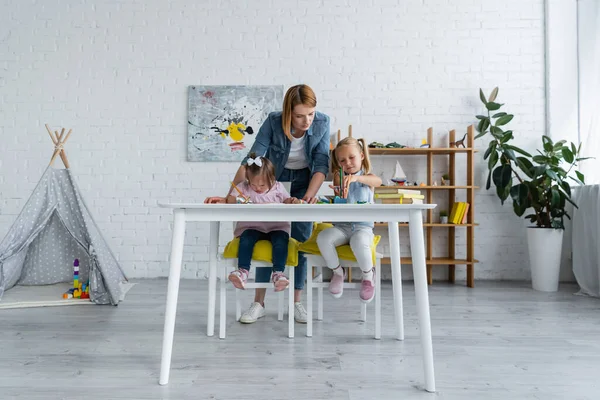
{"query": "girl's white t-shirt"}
{"type": "Point", "coordinates": [297, 157]}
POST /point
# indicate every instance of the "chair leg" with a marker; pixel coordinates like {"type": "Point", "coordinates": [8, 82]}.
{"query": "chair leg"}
{"type": "Point", "coordinates": [320, 295]}
{"type": "Point", "coordinates": [280, 301]}
{"type": "Point", "coordinates": [291, 303]}
{"type": "Point", "coordinates": [222, 304]}
{"type": "Point", "coordinates": [309, 301]}
{"type": "Point", "coordinates": [238, 306]}
{"type": "Point", "coordinates": [378, 299]}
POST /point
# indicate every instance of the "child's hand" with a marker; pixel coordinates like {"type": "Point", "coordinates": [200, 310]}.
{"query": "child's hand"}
{"type": "Point", "coordinates": [348, 179]}
{"type": "Point", "coordinates": [336, 190]}
{"type": "Point", "coordinates": [290, 200]}
{"type": "Point", "coordinates": [215, 200]}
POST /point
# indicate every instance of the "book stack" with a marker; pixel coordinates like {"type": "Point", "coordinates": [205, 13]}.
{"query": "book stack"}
{"type": "Point", "coordinates": [392, 195]}
{"type": "Point", "coordinates": [458, 215]}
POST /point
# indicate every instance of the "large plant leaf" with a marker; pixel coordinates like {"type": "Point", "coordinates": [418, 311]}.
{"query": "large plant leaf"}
{"type": "Point", "coordinates": [567, 155]}
{"type": "Point", "coordinates": [498, 115]}
{"type": "Point", "coordinates": [540, 159]}
{"type": "Point", "coordinates": [481, 116]}
{"type": "Point", "coordinates": [506, 137]}
{"type": "Point", "coordinates": [519, 209]}
{"type": "Point", "coordinates": [494, 94]}
{"type": "Point", "coordinates": [564, 185]}
{"type": "Point", "coordinates": [559, 145]}
{"type": "Point", "coordinates": [509, 154]}
{"type": "Point", "coordinates": [483, 125]}
{"type": "Point", "coordinates": [493, 160]}
{"type": "Point", "coordinates": [581, 177]}
{"type": "Point", "coordinates": [491, 147]}
{"type": "Point", "coordinates": [517, 149]}
{"type": "Point", "coordinates": [491, 106]}
{"type": "Point", "coordinates": [503, 192]}
{"type": "Point", "coordinates": [525, 165]}
{"type": "Point", "coordinates": [502, 176]}
{"type": "Point", "coordinates": [555, 198]}
{"type": "Point", "coordinates": [488, 183]}
{"type": "Point", "coordinates": [547, 143]}
{"type": "Point", "coordinates": [553, 175]}
{"type": "Point", "coordinates": [504, 120]}
{"type": "Point", "coordinates": [519, 193]}
{"type": "Point", "coordinates": [482, 96]}
{"type": "Point", "coordinates": [496, 132]}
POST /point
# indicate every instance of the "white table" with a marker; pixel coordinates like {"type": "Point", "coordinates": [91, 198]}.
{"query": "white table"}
{"type": "Point", "coordinates": [216, 213]}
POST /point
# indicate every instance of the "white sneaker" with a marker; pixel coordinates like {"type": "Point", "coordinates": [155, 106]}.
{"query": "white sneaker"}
{"type": "Point", "coordinates": [300, 315]}
{"type": "Point", "coordinates": [252, 314]}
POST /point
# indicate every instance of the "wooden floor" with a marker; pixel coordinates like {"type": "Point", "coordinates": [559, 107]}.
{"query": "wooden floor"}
{"type": "Point", "coordinates": [497, 341]}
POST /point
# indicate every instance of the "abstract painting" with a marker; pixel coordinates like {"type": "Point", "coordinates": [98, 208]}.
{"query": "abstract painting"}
{"type": "Point", "coordinates": [224, 120]}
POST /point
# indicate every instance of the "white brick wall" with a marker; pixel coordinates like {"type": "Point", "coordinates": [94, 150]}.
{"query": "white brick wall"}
{"type": "Point", "coordinates": [117, 73]}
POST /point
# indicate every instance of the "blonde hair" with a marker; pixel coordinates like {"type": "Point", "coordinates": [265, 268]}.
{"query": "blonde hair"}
{"type": "Point", "coordinates": [267, 170]}
{"type": "Point", "coordinates": [360, 145]}
{"type": "Point", "coordinates": [299, 94]}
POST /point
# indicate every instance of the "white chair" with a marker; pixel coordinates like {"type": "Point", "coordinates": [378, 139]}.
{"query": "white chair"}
{"type": "Point", "coordinates": [318, 263]}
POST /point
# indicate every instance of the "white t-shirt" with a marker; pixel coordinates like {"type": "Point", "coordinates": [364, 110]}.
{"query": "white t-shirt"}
{"type": "Point", "coordinates": [297, 157]}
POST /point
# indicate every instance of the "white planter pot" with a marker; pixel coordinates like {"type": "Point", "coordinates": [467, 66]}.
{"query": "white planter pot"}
{"type": "Point", "coordinates": [545, 247]}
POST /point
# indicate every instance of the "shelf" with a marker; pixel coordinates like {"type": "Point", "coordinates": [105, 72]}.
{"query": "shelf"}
{"type": "Point", "coordinates": [433, 261]}
{"type": "Point", "coordinates": [418, 151]}
{"type": "Point", "coordinates": [405, 224]}
{"type": "Point", "coordinates": [429, 187]}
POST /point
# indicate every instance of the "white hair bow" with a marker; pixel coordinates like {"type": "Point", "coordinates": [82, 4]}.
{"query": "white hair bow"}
{"type": "Point", "coordinates": [257, 161]}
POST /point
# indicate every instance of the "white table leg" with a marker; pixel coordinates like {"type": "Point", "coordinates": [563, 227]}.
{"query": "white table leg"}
{"type": "Point", "coordinates": [172, 293]}
{"type": "Point", "coordinates": [378, 299]}
{"type": "Point", "coordinates": [396, 277]}
{"type": "Point", "coordinates": [421, 293]}
{"type": "Point", "coordinates": [309, 299]}
{"type": "Point", "coordinates": [223, 303]}
{"type": "Point", "coordinates": [213, 249]}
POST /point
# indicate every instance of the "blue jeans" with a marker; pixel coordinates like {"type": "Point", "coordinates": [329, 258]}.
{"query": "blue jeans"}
{"type": "Point", "coordinates": [279, 240]}
{"type": "Point", "coordinates": [300, 178]}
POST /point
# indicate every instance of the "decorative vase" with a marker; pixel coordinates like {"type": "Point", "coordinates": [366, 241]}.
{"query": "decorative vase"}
{"type": "Point", "coordinates": [545, 248]}
{"type": "Point", "coordinates": [444, 219]}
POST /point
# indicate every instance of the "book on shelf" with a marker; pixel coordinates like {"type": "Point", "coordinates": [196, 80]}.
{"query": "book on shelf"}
{"type": "Point", "coordinates": [453, 212]}
{"type": "Point", "coordinates": [399, 200]}
{"type": "Point", "coordinates": [458, 215]}
{"type": "Point", "coordinates": [465, 214]}
{"type": "Point", "coordinates": [393, 190]}
{"type": "Point", "coordinates": [398, 196]}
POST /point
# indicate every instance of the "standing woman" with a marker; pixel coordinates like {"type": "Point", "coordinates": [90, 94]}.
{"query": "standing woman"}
{"type": "Point", "coordinates": [296, 141]}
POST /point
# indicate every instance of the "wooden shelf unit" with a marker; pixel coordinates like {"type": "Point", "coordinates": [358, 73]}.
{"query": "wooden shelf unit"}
{"type": "Point", "coordinates": [450, 260]}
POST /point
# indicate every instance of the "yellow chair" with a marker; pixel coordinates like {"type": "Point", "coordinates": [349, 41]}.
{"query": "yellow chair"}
{"type": "Point", "coordinates": [261, 258]}
{"type": "Point", "coordinates": [315, 260]}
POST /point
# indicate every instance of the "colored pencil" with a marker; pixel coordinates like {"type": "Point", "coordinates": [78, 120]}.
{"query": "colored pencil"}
{"type": "Point", "coordinates": [239, 191]}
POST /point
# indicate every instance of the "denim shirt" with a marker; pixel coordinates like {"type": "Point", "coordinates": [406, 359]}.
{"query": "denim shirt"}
{"type": "Point", "coordinates": [272, 143]}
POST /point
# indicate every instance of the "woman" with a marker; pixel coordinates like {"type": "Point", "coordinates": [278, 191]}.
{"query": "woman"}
{"type": "Point", "coordinates": [296, 140]}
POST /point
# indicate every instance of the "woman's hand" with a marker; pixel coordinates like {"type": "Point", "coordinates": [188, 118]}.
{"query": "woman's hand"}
{"type": "Point", "coordinates": [215, 200]}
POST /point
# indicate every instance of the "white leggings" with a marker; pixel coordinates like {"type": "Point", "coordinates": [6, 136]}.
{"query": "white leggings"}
{"type": "Point", "coordinates": [360, 238]}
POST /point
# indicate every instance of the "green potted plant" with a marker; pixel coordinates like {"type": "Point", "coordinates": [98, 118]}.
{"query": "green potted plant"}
{"type": "Point", "coordinates": [539, 183]}
{"type": "Point", "coordinates": [445, 180]}
{"type": "Point", "coordinates": [443, 217]}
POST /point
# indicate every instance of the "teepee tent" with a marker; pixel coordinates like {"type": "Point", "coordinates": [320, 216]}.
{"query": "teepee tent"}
{"type": "Point", "coordinates": [54, 228]}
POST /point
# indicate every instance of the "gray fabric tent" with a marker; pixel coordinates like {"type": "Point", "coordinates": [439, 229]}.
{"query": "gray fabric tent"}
{"type": "Point", "coordinates": [54, 228]}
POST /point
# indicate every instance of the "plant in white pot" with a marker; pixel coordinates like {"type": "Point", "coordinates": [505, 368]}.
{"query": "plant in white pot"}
{"type": "Point", "coordinates": [539, 182]}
